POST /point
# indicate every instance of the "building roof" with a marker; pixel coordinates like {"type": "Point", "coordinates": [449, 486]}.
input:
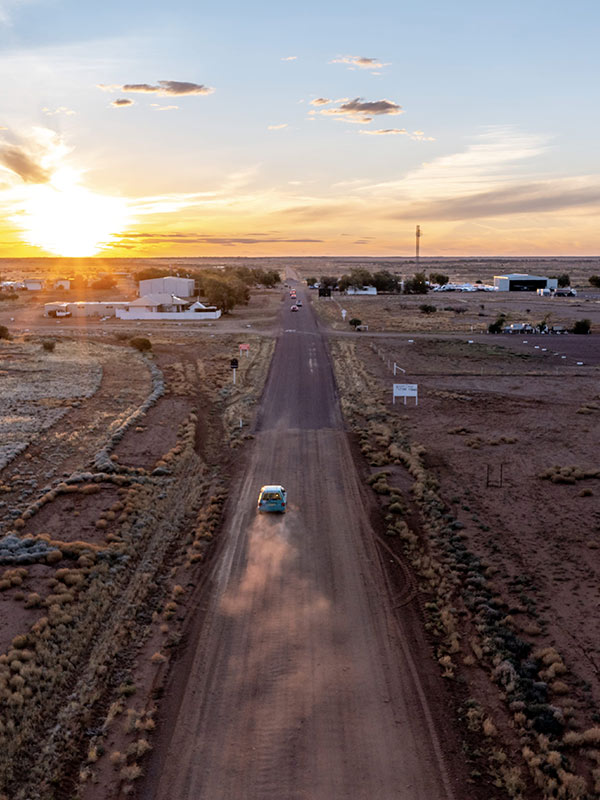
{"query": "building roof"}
{"type": "Point", "coordinates": [516, 276]}
{"type": "Point", "coordinates": [159, 300]}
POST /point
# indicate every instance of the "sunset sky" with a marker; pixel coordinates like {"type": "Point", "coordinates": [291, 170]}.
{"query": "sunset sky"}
{"type": "Point", "coordinates": [313, 128]}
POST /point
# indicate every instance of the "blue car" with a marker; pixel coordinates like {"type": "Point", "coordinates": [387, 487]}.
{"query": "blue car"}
{"type": "Point", "coordinates": [272, 498]}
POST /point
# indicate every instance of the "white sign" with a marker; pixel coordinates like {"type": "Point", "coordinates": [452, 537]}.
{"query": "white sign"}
{"type": "Point", "coordinates": [344, 312]}
{"type": "Point", "coordinates": [405, 390]}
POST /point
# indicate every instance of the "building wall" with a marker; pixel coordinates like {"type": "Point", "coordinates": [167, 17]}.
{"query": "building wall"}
{"type": "Point", "coordinates": [93, 309]}
{"type": "Point", "coordinates": [364, 290]}
{"type": "Point", "coordinates": [178, 316]}
{"type": "Point", "coordinates": [181, 287]}
{"type": "Point", "coordinates": [508, 283]}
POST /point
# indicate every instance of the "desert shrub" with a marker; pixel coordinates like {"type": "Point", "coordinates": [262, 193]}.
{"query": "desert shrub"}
{"type": "Point", "coordinates": [158, 658]}
{"type": "Point", "coordinates": [496, 327]}
{"type": "Point", "coordinates": [48, 346]}
{"type": "Point", "coordinates": [595, 281]}
{"type": "Point", "coordinates": [416, 285]}
{"type": "Point", "coordinates": [141, 343]}
{"type": "Point", "coordinates": [4, 332]}
{"type": "Point", "coordinates": [426, 308]}
{"type": "Point", "coordinates": [130, 772]}
{"type": "Point", "coordinates": [582, 326]}
{"type": "Point", "coordinates": [355, 322]}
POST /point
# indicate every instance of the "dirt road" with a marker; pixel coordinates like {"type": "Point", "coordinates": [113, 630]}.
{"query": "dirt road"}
{"type": "Point", "coordinates": [300, 685]}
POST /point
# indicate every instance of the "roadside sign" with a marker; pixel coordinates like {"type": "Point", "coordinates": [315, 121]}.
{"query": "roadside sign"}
{"type": "Point", "coordinates": [405, 390]}
{"type": "Point", "coordinates": [233, 363]}
{"type": "Point", "coordinates": [344, 312]}
{"type": "Point", "coordinates": [244, 348]}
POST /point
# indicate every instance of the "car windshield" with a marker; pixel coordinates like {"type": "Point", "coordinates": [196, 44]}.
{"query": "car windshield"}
{"type": "Point", "coordinates": [271, 496]}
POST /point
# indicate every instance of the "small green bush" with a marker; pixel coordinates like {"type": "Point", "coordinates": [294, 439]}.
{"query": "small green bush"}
{"type": "Point", "coordinates": [141, 343]}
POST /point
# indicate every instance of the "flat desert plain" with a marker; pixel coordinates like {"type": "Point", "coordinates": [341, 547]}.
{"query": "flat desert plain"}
{"type": "Point", "coordinates": [419, 624]}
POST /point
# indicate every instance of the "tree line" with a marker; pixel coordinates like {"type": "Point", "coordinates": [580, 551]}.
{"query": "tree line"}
{"type": "Point", "coordinates": [384, 281]}
{"type": "Point", "coordinates": [224, 288]}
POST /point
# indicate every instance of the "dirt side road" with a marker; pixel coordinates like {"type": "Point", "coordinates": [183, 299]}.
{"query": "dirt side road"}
{"type": "Point", "coordinates": [300, 684]}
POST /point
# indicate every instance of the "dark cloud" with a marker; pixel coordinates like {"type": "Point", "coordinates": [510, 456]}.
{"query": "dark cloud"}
{"type": "Point", "coordinates": [524, 199]}
{"type": "Point", "coordinates": [377, 107]}
{"type": "Point", "coordinates": [360, 110]}
{"type": "Point", "coordinates": [122, 101]}
{"type": "Point", "coordinates": [19, 161]}
{"type": "Point", "coordinates": [176, 88]}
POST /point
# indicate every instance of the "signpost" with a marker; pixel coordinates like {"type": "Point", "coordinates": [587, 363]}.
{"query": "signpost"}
{"type": "Point", "coordinates": [344, 312]}
{"type": "Point", "coordinates": [245, 348]}
{"type": "Point", "coordinates": [405, 390]}
{"type": "Point", "coordinates": [234, 365]}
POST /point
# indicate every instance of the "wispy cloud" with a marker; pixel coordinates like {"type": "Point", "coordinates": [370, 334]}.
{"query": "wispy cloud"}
{"type": "Point", "coordinates": [277, 127]}
{"type": "Point", "coordinates": [61, 110]}
{"type": "Point", "coordinates": [121, 102]}
{"type": "Point", "coordinates": [320, 101]}
{"type": "Point", "coordinates": [34, 157]}
{"type": "Point", "coordinates": [495, 158]}
{"type": "Point", "coordinates": [415, 135]}
{"type": "Point", "coordinates": [18, 160]}
{"type": "Point", "coordinates": [161, 88]}
{"type": "Point", "coordinates": [136, 239]}
{"type": "Point", "coordinates": [493, 177]}
{"type": "Point", "coordinates": [289, 58]}
{"type": "Point", "coordinates": [359, 110]}
{"type": "Point", "coordinates": [360, 62]}
{"type": "Point", "coordinates": [552, 195]}
{"type": "Point", "coordinates": [158, 107]}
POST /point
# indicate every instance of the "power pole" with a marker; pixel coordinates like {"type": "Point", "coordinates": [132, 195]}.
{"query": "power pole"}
{"type": "Point", "coordinates": [418, 236]}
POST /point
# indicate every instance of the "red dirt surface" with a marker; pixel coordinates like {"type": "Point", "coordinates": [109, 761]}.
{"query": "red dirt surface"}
{"type": "Point", "coordinates": [540, 538]}
{"type": "Point", "coordinates": [299, 681]}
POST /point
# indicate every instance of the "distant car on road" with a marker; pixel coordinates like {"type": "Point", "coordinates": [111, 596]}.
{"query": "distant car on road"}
{"type": "Point", "coordinates": [272, 497]}
{"type": "Point", "coordinates": [294, 308]}
{"type": "Point", "coordinates": [299, 303]}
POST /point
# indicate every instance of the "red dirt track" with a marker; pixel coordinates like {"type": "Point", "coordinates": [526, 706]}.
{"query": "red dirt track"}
{"type": "Point", "coordinates": [300, 682]}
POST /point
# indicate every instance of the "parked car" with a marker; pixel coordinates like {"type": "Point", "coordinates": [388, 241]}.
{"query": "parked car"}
{"type": "Point", "coordinates": [272, 497]}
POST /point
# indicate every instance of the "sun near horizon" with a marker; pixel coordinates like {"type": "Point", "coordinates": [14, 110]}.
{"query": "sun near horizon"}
{"type": "Point", "coordinates": [280, 137]}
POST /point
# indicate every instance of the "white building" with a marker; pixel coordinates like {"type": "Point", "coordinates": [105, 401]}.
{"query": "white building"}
{"type": "Point", "coordinates": [83, 309]}
{"type": "Point", "coordinates": [33, 284]}
{"type": "Point", "coordinates": [182, 287]}
{"type": "Point", "coordinates": [520, 282]}
{"type": "Point", "coordinates": [361, 290]}
{"type": "Point", "coordinates": [167, 307]}
{"type": "Point", "coordinates": [62, 283]}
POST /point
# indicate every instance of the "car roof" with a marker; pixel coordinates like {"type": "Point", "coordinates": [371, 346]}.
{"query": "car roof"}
{"type": "Point", "coordinates": [271, 487]}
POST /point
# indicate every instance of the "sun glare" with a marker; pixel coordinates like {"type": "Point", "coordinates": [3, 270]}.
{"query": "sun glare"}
{"type": "Point", "coordinates": [66, 219]}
